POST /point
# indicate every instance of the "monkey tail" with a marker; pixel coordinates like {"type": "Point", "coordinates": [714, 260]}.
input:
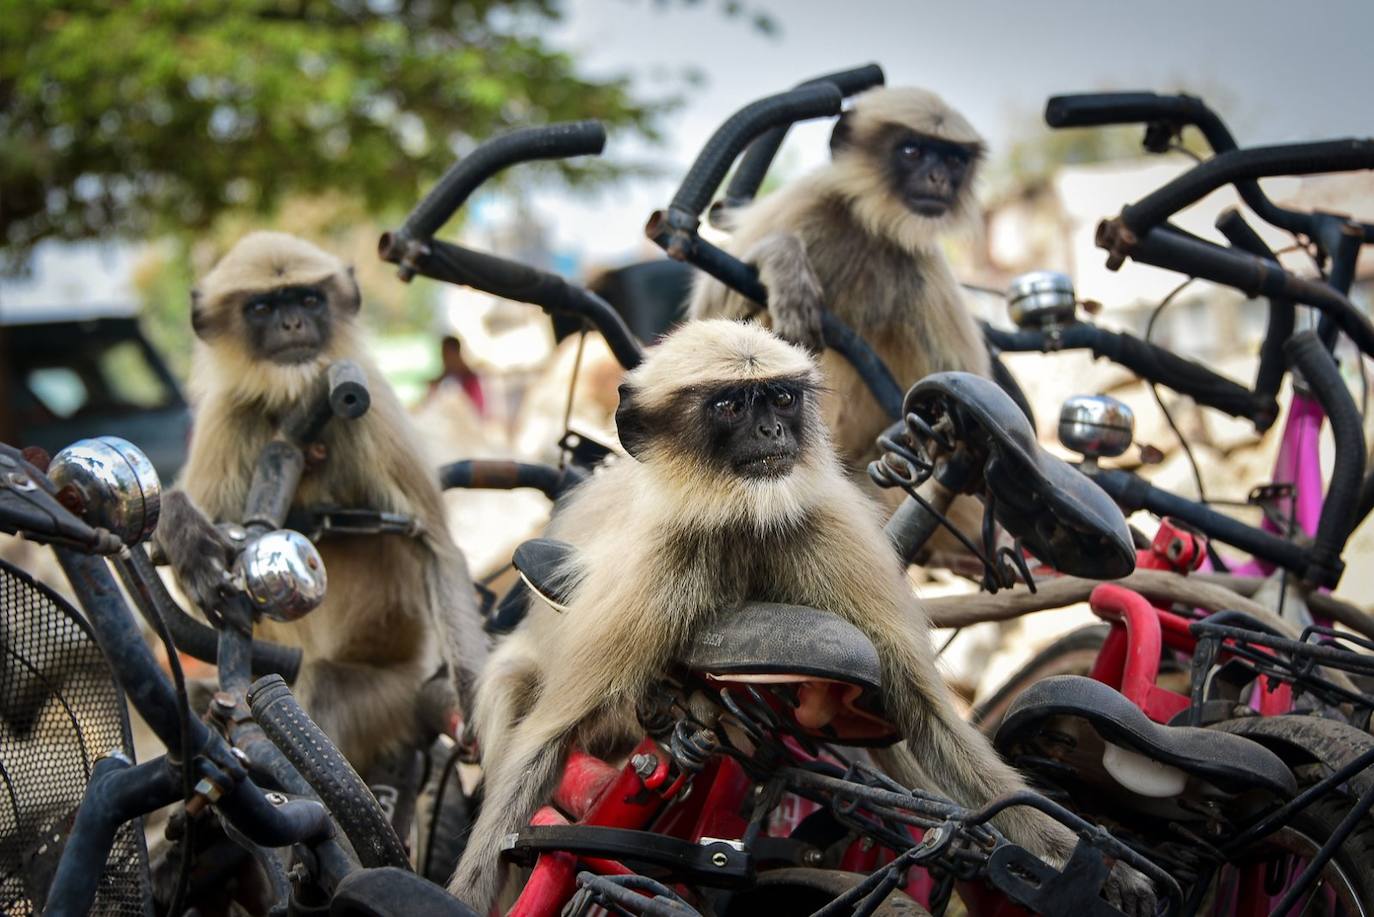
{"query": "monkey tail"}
{"type": "Point", "coordinates": [456, 620]}
{"type": "Point", "coordinates": [515, 788]}
{"type": "Point", "coordinates": [961, 763]}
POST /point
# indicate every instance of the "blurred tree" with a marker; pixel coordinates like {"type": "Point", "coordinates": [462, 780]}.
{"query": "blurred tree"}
{"type": "Point", "coordinates": [155, 116]}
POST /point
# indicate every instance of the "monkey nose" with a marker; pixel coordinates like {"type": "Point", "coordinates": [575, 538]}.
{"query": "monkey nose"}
{"type": "Point", "coordinates": [770, 429]}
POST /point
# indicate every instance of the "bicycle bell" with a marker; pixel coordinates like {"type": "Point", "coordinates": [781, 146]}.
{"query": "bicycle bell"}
{"type": "Point", "coordinates": [1096, 426]}
{"type": "Point", "coordinates": [1041, 299]}
{"type": "Point", "coordinates": [283, 575]}
{"type": "Point", "coordinates": [119, 487]}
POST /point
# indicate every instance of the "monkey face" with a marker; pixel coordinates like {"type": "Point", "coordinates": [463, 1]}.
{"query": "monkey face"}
{"type": "Point", "coordinates": [288, 325]}
{"type": "Point", "coordinates": [928, 174]}
{"type": "Point", "coordinates": [755, 430]}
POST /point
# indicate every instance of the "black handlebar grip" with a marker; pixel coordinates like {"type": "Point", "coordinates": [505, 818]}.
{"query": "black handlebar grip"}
{"type": "Point", "coordinates": [1282, 314]}
{"type": "Point", "coordinates": [1250, 275]}
{"type": "Point", "coordinates": [348, 394]}
{"type": "Point", "coordinates": [553, 141]}
{"type": "Point", "coordinates": [523, 283]}
{"type": "Point", "coordinates": [853, 81]}
{"type": "Point", "coordinates": [328, 773]}
{"type": "Point", "coordinates": [502, 474]}
{"type": "Point", "coordinates": [1339, 509]}
{"type": "Point", "coordinates": [1094, 109]}
{"type": "Point", "coordinates": [1345, 155]}
{"type": "Point", "coordinates": [1185, 377]}
{"type": "Point", "coordinates": [705, 175]}
{"type": "Point", "coordinates": [757, 160]}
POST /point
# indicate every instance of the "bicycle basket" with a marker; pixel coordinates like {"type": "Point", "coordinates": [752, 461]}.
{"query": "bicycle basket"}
{"type": "Point", "coordinates": [60, 709]}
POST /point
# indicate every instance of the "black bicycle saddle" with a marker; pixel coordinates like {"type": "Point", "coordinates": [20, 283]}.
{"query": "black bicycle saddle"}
{"type": "Point", "coordinates": [543, 563]}
{"type": "Point", "coordinates": [1057, 512]}
{"type": "Point", "coordinates": [1231, 762]}
{"type": "Point", "coordinates": [771, 643]}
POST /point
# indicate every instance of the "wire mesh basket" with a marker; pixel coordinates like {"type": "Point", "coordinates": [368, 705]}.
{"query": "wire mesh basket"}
{"type": "Point", "coordinates": [60, 710]}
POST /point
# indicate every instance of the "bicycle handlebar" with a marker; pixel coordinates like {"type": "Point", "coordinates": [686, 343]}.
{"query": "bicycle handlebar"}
{"type": "Point", "coordinates": [499, 474]}
{"type": "Point", "coordinates": [554, 141]}
{"type": "Point", "coordinates": [1149, 361]}
{"type": "Point", "coordinates": [1282, 313]}
{"type": "Point", "coordinates": [1345, 155]}
{"type": "Point", "coordinates": [1095, 109]}
{"type": "Point", "coordinates": [281, 463]}
{"type": "Point", "coordinates": [413, 249]}
{"type": "Point", "coordinates": [758, 158]}
{"type": "Point", "coordinates": [781, 110]}
{"type": "Point", "coordinates": [513, 280]}
{"type": "Point", "coordinates": [1310, 356]}
{"type": "Point", "coordinates": [1163, 248]}
{"type": "Point", "coordinates": [675, 230]}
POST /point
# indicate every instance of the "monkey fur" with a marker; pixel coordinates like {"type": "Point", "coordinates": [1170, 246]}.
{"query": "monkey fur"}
{"type": "Point", "coordinates": [270, 317]}
{"type": "Point", "coordinates": [733, 493]}
{"type": "Point", "coordinates": [861, 237]}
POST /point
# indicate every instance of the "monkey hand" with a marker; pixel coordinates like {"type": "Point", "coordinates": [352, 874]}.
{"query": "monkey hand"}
{"type": "Point", "coordinates": [796, 300]}
{"type": "Point", "coordinates": [198, 554]}
{"type": "Point", "coordinates": [1129, 891]}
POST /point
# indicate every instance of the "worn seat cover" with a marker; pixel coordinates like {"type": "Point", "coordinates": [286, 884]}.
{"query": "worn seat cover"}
{"type": "Point", "coordinates": [1058, 512]}
{"type": "Point", "coordinates": [1229, 761]}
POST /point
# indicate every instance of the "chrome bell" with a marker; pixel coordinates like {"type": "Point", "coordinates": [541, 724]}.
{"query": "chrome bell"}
{"type": "Point", "coordinates": [283, 575]}
{"type": "Point", "coordinates": [1096, 426]}
{"type": "Point", "coordinates": [1041, 299]}
{"type": "Point", "coordinates": [118, 485]}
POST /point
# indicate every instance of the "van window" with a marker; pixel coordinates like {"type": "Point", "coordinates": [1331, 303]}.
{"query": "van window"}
{"type": "Point", "coordinates": [58, 388]}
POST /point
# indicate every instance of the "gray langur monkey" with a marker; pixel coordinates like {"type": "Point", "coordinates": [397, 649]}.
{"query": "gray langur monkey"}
{"type": "Point", "coordinates": [732, 492]}
{"type": "Point", "coordinates": [269, 318]}
{"type": "Point", "coordinates": [861, 236]}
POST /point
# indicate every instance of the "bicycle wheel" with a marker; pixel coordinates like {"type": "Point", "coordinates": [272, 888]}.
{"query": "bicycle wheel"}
{"type": "Point", "coordinates": [1071, 654]}
{"type": "Point", "coordinates": [1313, 748]}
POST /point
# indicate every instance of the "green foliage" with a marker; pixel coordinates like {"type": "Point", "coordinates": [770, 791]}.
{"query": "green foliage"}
{"type": "Point", "coordinates": [145, 117]}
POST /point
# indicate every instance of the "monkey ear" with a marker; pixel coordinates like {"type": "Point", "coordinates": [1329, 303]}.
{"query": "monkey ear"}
{"type": "Point", "coordinates": [630, 423]}
{"type": "Point", "coordinates": [842, 137]}
{"type": "Point", "coordinates": [350, 297]}
{"type": "Point", "coordinates": [200, 321]}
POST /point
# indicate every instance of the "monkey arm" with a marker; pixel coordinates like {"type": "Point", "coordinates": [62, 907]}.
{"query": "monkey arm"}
{"type": "Point", "coordinates": [953, 756]}
{"type": "Point", "coordinates": [197, 552]}
{"type": "Point", "coordinates": [594, 660]}
{"type": "Point", "coordinates": [796, 299]}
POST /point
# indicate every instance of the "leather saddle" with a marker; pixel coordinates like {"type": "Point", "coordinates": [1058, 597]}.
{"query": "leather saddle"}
{"type": "Point", "coordinates": [1138, 753]}
{"type": "Point", "coordinates": [1056, 511]}
{"type": "Point", "coordinates": [830, 661]}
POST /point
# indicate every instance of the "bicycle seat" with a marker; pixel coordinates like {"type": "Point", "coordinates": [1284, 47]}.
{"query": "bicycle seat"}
{"type": "Point", "coordinates": [832, 661]}
{"type": "Point", "coordinates": [1216, 757]}
{"type": "Point", "coordinates": [543, 563]}
{"type": "Point", "coordinates": [1064, 518]}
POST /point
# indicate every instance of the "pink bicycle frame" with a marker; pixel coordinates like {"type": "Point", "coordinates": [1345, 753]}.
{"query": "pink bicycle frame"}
{"type": "Point", "coordinates": [1299, 464]}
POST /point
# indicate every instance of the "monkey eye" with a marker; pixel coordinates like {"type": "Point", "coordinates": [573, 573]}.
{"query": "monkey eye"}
{"type": "Point", "coordinates": [784, 399]}
{"type": "Point", "coordinates": [910, 150]}
{"type": "Point", "coordinates": [259, 307]}
{"type": "Point", "coordinates": [311, 300]}
{"type": "Point", "coordinates": [729, 408]}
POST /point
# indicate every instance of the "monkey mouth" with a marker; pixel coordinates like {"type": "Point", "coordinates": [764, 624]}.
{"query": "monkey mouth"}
{"type": "Point", "coordinates": [771, 465]}
{"type": "Point", "coordinates": [927, 206]}
{"type": "Point", "coordinates": [295, 354]}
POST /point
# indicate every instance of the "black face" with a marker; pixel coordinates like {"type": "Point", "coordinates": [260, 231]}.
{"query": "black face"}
{"type": "Point", "coordinates": [287, 325]}
{"type": "Point", "coordinates": [929, 174]}
{"type": "Point", "coordinates": [755, 429]}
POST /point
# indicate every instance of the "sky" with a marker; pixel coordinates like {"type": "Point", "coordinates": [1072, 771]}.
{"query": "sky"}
{"type": "Point", "coordinates": [1276, 71]}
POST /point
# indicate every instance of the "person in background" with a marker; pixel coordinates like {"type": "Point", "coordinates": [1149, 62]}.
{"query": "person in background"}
{"type": "Point", "coordinates": [455, 370]}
